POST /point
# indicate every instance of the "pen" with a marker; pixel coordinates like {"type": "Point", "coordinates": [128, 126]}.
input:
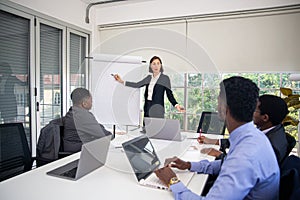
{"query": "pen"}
{"type": "Point", "coordinates": [199, 139]}
{"type": "Point", "coordinates": [200, 132]}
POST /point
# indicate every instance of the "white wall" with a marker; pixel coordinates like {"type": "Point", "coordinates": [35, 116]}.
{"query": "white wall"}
{"type": "Point", "coordinates": [263, 42]}
{"type": "Point", "coordinates": [71, 11]}
{"type": "Point", "coordinates": [245, 43]}
{"type": "Point", "coordinates": [74, 11]}
{"type": "Point", "coordinates": [155, 9]}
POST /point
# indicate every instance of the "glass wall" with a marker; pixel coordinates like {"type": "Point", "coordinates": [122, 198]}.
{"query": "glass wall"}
{"type": "Point", "coordinates": [35, 75]}
{"type": "Point", "coordinates": [14, 70]}
{"type": "Point", "coordinates": [77, 60]}
{"type": "Point", "coordinates": [202, 91]}
{"type": "Point", "coordinates": [50, 73]}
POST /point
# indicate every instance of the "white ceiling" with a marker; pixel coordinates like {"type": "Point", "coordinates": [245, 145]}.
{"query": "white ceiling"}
{"type": "Point", "coordinates": [113, 2]}
{"type": "Point", "coordinates": [133, 10]}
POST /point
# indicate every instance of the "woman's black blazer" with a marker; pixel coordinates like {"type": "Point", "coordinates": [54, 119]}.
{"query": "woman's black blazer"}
{"type": "Point", "coordinates": [163, 84]}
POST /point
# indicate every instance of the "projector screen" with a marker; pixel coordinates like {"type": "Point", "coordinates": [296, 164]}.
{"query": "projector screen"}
{"type": "Point", "coordinates": [114, 103]}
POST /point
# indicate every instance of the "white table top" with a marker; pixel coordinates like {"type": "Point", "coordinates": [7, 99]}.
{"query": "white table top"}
{"type": "Point", "coordinates": [115, 180]}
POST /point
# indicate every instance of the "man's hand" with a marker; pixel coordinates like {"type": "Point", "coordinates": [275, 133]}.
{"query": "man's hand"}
{"type": "Point", "coordinates": [205, 140]}
{"type": "Point", "coordinates": [177, 163]}
{"type": "Point", "coordinates": [165, 174]}
{"type": "Point", "coordinates": [211, 152]}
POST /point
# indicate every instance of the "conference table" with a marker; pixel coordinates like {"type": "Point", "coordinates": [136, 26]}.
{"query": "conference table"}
{"type": "Point", "coordinates": [115, 180]}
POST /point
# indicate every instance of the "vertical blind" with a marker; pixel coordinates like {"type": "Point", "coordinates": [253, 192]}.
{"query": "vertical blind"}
{"type": "Point", "coordinates": [50, 73]}
{"type": "Point", "coordinates": [77, 61]}
{"type": "Point", "coordinates": [14, 69]}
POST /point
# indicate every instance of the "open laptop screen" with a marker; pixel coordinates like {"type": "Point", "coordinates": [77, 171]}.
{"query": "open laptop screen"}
{"type": "Point", "coordinates": [141, 156]}
{"type": "Point", "coordinates": [92, 156]}
{"type": "Point", "coordinates": [211, 124]}
{"type": "Point", "coordinates": [160, 128]}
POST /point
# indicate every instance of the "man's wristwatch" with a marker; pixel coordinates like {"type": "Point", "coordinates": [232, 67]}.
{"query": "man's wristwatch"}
{"type": "Point", "coordinates": [173, 181]}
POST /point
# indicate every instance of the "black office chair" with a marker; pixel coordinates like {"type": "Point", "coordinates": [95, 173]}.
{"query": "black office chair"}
{"type": "Point", "coordinates": [62, 153]}
{"type": "Point", "coordinates": [211, 124]}
{"type": "Point", "coordinates": [15, 155]}
{"type": "Point", "coordinates": [290, 179]}
{"type": "Point", "coordinates": [50, 143]}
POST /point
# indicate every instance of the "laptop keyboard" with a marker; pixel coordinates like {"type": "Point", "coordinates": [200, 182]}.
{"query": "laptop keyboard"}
{"type": "Point", "coordinates": [71, 173]}
{"type": "Point", "coordinates": [153, 182]}
{"type": "Point", "coordinates": [153, 179]}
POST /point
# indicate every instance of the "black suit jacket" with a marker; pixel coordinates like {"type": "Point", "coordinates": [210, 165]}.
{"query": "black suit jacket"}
{"type": "Point", "coordinates": [162, 85]}
{"type": "Point", "coordinates": [277, 137]}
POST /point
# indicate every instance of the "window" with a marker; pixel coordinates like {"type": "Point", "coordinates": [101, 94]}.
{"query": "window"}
{"type": "Point", "coordinates": [78, 64]}
{"type": "Point", "coordinates": [57, 98]}
{"type": "Point", "coordinates": [50, 73]}
{"type": "Point", "coordinates": [14, 69]}
{"type": "Point", "coordinates": [202, 91]}
{"type": "Point", "coordinates": [34, 79]}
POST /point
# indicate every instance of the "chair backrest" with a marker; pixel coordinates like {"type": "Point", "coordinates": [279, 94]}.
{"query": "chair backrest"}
{"type": "Point", "coordinates": [15, 155]}
{"type": "Point", "coordinates": [290, 178]}
{"type": "Point", "coordinates": [211, 124]}
{"type": "Point", "coordinates": [62, 153]}
{"type": "Point", "coordinates": [50, 143]}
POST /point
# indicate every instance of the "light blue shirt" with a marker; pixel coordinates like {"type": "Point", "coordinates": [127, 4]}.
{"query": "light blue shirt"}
{"type": "Point", "coordinates": [249, 171]}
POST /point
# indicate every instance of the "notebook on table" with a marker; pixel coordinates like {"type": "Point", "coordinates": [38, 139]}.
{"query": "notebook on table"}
{"type": "Point", "coordinates": [144, 161]}
{"type": "Point", "coordinates": [93, 155]}
{"type": "Point", "coordinates": [160, 128]}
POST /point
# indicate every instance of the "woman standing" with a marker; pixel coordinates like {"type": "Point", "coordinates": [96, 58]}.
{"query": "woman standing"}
{"type": "Point", "coordinates": [156, 86]}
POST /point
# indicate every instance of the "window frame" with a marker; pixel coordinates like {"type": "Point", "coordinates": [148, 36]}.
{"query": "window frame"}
{"type": "Point", "coordinates": [68, 66]}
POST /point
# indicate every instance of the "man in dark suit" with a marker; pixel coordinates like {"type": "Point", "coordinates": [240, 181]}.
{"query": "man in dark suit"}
{"type": "Point", "coordinates": [268, 117]}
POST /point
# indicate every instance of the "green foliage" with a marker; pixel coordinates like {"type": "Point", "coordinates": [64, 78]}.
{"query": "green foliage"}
{"type": "Point", "coordinates": [291, 121]}
{"type": "Point", "coordinates": [293, 129]}
{"type": "Point", "coordinates": [203, 89]}
{"type": "Point", "coordinates": [269, 81]}
{"type": "Point", "coordinates": [194, 80]}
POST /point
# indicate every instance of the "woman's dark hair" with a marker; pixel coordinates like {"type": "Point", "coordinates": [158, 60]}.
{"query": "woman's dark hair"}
{"type": "Point", "coordinates": [241, 95]}
{"type": "Point", "coordinates": [151, 60]}
{"type": "Point", "coordinates": [274, 106]}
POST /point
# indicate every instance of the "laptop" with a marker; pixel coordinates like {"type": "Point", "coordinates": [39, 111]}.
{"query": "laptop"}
{"type": "Point", "coordinates": [160, 128]}
{"type": "Point", "coordinates": [93, 155]}
{"type": "Point", "coordinates": [210, 123]}
{"type": "Point", "coordinates": [144, 161]}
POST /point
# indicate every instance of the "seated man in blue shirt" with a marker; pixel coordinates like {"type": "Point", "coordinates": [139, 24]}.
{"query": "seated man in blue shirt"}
{"type": "Point", "coordinates": [246, 172]}
{"type": "Point", "coordinates": [269, 121]}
